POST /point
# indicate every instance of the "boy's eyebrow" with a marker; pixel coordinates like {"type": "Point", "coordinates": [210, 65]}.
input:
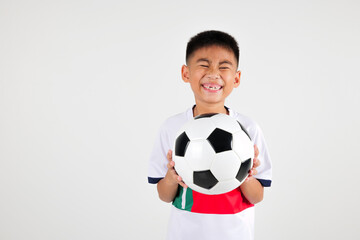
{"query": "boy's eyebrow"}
{"type": "Point", "coordinates": [208, 61]}
{"type": "Point", "coordinates": [203, 60]}
{"type": "Point", "coordinates": [225, 62]}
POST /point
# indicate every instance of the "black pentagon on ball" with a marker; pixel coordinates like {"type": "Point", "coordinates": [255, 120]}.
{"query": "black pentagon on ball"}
{"type": "Point", "coordinates": [244, 170]}
{"type": "Point", "coordinates": [220, 140]}
{"type": "Point", "coordinates": [205, 115]}
{"type": "Point", "coordinates": [242, 127]}
{"type": "Point", "coordinates": [205, 179]}
{"type": "Point", "coordinates": [181, 143]}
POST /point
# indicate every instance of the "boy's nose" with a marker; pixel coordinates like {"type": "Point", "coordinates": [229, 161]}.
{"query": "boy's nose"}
{"type": "Point", "coordinates": [213, 73]}
{"type": "Point", "coordinates": [212, 76]}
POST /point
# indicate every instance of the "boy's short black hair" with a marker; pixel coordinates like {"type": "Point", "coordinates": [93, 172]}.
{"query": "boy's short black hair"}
{"type": "Point", "coordinates": [212, 37]}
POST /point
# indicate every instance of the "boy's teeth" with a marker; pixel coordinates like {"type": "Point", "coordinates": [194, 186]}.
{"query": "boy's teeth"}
{"type": "Point", "coordinates": [212, 87]}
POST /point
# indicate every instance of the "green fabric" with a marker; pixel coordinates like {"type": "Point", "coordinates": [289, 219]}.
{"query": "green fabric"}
{"type": "Point", "coordinates": [188, 199]}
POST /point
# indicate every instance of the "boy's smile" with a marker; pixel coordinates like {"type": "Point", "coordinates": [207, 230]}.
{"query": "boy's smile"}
{"type": "Point", "coordinates": [212, 87]}
{"type": "Point", "coordinates": [212, 74]}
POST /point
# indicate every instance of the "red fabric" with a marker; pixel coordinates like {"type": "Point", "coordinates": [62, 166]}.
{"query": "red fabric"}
{"type": "Point", "coordinates": [227, 203]}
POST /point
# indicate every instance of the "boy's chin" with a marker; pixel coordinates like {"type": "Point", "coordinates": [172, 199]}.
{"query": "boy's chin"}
{"type": "Point", "coordinates": [212, 101]}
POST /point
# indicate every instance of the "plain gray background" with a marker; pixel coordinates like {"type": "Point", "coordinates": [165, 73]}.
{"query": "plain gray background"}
{"type": "Point", "coordinates": [85, 85]}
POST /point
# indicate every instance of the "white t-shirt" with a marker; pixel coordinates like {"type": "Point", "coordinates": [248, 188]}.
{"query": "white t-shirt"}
{"type": "Point", "coordinates": [200, 216]}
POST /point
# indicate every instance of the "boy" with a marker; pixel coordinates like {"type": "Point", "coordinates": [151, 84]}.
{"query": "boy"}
{"type": "Point", "coordinates": [212, 59]}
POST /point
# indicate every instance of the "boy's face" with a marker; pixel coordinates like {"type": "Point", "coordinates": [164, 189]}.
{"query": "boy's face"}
{"type": "Point", "coordinates": [212, 74]}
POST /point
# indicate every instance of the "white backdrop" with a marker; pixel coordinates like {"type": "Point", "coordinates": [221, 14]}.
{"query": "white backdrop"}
{"type": "Point", "coordinates": [84, 86]}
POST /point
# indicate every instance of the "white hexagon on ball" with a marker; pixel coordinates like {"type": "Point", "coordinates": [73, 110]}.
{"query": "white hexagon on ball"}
{"type": "Point", "coordinates": [181, 166]}
{"type": "Point", "coordinates": [225, 186]}
{"type": "Point", "coordinates": [230, 126]}
{"type": "Point", "coordinates": [199, 129]}
{"type": "Point", "coordinates": [199, 155]}
{"type": "Point", "coordinates": [225, 166]}
{"type": "Point", "coordinates": [242, 146]}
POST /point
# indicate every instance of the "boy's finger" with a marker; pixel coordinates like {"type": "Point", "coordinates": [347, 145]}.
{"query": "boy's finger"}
{"type": "Point", "coordinates": [169, 155]}
{"type": "Point", "coordinates": [171, 164]}
{"type": "Point", "coordinates": [253, 172]}
{"type": "Point", "coordinates": [247, 179]}
{"type": "Point", "coordinates": [256, 151]}
{"type": "Point", "coordinates": [181, 183]}
{"type": "Point", "coordinates": [256, 163]}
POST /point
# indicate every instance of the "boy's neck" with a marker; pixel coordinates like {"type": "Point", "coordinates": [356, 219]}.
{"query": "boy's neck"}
{"type": "Point", "coordinates": [199, 109]}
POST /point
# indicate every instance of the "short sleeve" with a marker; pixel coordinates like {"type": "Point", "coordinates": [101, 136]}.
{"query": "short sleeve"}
{"type": "Point", "coordinates": [264, 174]}
{"type": "Point", "coordinates": [158, 162]}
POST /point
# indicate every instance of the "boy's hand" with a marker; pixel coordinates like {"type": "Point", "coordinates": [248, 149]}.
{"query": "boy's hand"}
{"type": "Point", "coordinates": [251, 188]}
{"type": "Point", "coordinates": [171, 174]}
{"type": "Point", "coordinates": [256, 163]}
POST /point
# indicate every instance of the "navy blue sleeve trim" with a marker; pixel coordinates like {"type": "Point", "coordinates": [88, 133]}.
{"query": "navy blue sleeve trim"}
{"type": "Point", "coordinates": [154, 180]}
{"type": "Point", "coordinates": [264, 182]}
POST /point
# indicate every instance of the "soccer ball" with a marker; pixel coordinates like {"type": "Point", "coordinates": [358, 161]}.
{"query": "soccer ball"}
{"type": "Point", "coordinates": [213, 153]}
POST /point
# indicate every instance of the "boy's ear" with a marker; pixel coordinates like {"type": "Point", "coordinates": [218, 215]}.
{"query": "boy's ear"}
{"type": "Point", "coordinates": [237, 79]}
{"type": "Point", "coordinates": [185, 73]}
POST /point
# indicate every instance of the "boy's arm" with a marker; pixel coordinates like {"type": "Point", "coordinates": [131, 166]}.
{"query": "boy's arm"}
{"type": "Point", "coordinates": [168, 186]}
{"type": "Point", "coordinates": [252, 188]}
